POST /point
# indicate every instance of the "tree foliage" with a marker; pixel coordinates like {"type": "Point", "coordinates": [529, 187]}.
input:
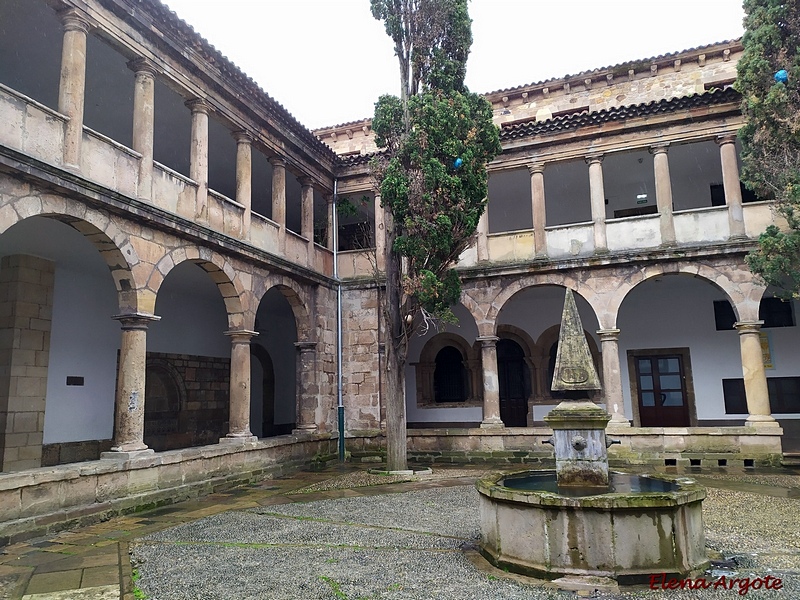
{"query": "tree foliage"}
{"type": "Point", "coordinates": [434, 204]}
{"type": "Point", "coordinates": [771, 135]}
{"type": "Point", "coordinates": [437, 139]}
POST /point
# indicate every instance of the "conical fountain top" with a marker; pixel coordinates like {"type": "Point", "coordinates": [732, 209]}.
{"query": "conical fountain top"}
{"type": "Point", "coordinates": [574, 369]}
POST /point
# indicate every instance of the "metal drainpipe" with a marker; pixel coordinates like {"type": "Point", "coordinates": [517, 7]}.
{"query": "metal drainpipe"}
{"type": "Point", "coordinates": [339, 398]}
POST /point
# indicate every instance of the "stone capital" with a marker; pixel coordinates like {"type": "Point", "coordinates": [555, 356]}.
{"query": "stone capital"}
{"type": "Point", "coordinates": [594, 159]}
{"type": "Point", "coordinates": [241, 336]}
{"type": "Point", "coordinates": [608, 335]}
{"type": "Point", "coordinates": [488, 341]}
{"type": "Point", "coordinates": [744, 327]}
{"type": "Point", "coordinates": [72, 20]}
{"type": "Point", "coordinates": [305, 181]}
{"type": "Point", "coordinates": [197, 105]}
{"type": "Point", "coordinates": [535, 168]}
{"type": "Point", "coordinates": [242, 137]}
{"type": "Point", "coordinates": [133, 321]}
{"type": "Point", "coordinates": [306, 346]}
{"type": "Point", "coordinates": [726, 138]}
{"type": "Point", "coordinates": [660, 148]}
{"type": "Point", "coordinates": [143, 66]}
{"type": "Point", "coordinates": [277, 161]}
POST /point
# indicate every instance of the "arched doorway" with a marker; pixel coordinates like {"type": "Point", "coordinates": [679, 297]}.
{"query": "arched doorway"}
{"type": "Point", "coordinates": [275, 353]}
{"type": "Point", "coordinates": [514, 383]}
{"type": "Point", "coordinates": [162, 409]}
{"type": "Point", "coordinates": [262, 382]}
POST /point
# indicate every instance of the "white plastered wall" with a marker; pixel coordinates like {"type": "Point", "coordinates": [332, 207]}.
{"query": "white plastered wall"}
{"type": "Point", "coordinates": [677, 311]}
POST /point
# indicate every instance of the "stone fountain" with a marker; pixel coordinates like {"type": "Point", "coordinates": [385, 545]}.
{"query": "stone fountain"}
{"type": "Point", "coordinates": [579, 520]}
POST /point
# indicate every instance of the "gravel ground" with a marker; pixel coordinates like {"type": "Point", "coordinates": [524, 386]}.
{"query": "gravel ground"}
{"type": "Point", "coordinates": [412, 546]}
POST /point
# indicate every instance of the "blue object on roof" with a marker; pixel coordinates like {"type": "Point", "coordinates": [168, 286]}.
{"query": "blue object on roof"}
{"type": "Point", "coordinates": [782, 76]}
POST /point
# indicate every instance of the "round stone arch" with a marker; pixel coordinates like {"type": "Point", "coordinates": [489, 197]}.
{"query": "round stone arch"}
{"type": "Point", "coordinates": [294, 294]}
{"type": "Point", "coordinates": [426, 367]}
{"type": "Point", "coordinates": [578, 286]}
{"type": "Point", "coordinates": [744, 296]}
{"type": "Point", "coordinates": [218, 269]}
{"type": "Point", "coordinates": [112, 244]}
{"type": "Point", "coordinates": [477, 310]}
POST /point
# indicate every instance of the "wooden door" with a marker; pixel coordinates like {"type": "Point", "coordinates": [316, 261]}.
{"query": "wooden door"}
{"type": "Point", "coordinates": [661, 384]}
{"type": "Point", "coordinates": [511, 370]}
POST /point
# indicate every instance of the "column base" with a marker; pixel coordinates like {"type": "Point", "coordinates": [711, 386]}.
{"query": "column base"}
{"type": "Point", "coordinates": [238, 438]}
{"type": "Point", "coordinates": [492, 423]}
{"type": "Point", "coordinates": [619, 420]}
{"type": "Point", "coordinates": [116, 454]}
{"type": "Point", "coordinates": [761, 421]}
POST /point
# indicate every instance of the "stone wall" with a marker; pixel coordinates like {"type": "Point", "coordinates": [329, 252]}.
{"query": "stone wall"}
{"type": "Point", "coordinates": [72, 452]}
{"type": "Point", "coordinates": [186, 400]}
{"type": "Point", "coordinates": [735, 447]}
{"type": "Point", "coordinates": [46, 500]}
{"type": "Point", "coordinates": [324, 388]}
{"type": "Point", "coordinates": [628, 84]}
{"type": "Point", "coordinates": [360, 365]}
{"type": "Point", "coordinates": [26, 306]}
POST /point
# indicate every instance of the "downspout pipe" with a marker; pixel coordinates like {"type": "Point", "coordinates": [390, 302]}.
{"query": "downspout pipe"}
{"type": "Point", "coordinates": [339, 397]}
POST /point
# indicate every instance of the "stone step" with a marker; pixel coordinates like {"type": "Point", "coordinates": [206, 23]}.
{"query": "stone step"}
{"type": "Point", "coordinates": [791, 459]}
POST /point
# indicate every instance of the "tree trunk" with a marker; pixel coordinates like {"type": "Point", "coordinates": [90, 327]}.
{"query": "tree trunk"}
{"type": "Point", "coordinates": [396, 354]}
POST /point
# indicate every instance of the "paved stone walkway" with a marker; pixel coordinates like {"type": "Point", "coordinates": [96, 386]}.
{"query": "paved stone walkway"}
{"type": "Point", "coordinates": [92, 563]}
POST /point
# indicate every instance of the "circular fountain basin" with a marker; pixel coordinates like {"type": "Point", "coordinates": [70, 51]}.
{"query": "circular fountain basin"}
{"type": "Point", "coordinates": [638, 526]}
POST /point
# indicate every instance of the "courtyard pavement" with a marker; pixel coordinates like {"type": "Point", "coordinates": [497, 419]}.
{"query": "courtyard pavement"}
{"type": "Point", "coordinates": [341, 534]}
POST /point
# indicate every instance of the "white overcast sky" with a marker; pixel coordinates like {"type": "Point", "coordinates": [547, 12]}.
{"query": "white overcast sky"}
{"type": "Point", "coordinates": [327, 61]}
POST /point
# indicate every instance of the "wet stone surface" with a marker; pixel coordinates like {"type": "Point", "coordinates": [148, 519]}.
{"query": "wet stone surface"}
{"type": "Point", "coordinates": [417, 545]}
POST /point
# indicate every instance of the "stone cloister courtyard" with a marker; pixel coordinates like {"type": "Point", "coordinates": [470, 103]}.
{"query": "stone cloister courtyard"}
{"type": "Point", "coordinates": [343, 534]}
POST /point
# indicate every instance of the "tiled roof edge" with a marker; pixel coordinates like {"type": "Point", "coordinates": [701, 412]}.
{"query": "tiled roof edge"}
{"type": "Point", "coordinates": [616, 113]}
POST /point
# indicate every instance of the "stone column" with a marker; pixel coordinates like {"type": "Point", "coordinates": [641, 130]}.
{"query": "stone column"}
{"type": "Point", "coordinates": [483, 236]}
{"type": "Point", "coordinates": [491, 382]}
{"type": "Point", "coordinates": [72, 87]}
{"type": "Point", "coordinates": [730, 183]}
{"type": "Point", "coordinates": [663, 194]}
{"type": "Point", "coordinates": [306, 387]}
{"type": "Point", "coordinates": [129, 419]}
{"type": "Point", "coordinates": [380, 235]}
{"type": "Point", "coordinates": [539, 213]}
{"type": "Point", "coordinates": [612, 382]}
{"type": "Point", "coordinates": [597, 195]}
{"type": "Point", "coordinates": [244, 178]}
{"type": "Point", "coordinates": [279, 198]}
{"type": "Point", "coordinates": [307, 215]}
{"type": "Point", "coordinates": [144, 122]}
{"type": "Point", "coordinates": [198, 157]}
{"type": "Point", "coordinates": [755, 378]}
{"type": "Point", "coordinates": [239, 420]}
